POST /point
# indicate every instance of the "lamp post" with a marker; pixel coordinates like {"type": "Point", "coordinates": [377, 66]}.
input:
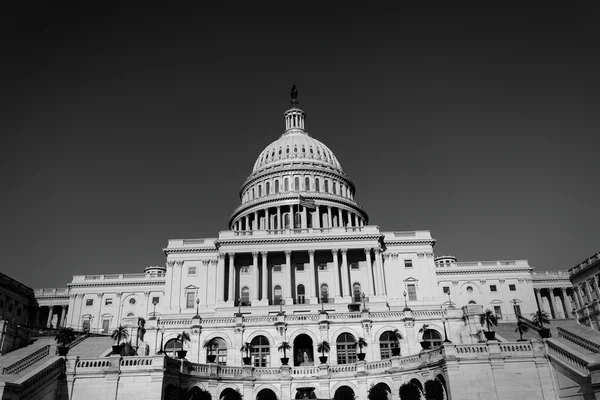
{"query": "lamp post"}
{"type": "Point", "coordinates": [445, 334]}
{"type": "Point", "coordinates": [154, 303]}
{"type": "Point", "coordinates": [449, 300]}
{"type": "Point", "coordinates": [281, 302]}
{"type": "Point", "coordinates": [162, 337]}
{"type": "Point", "coordinates": [322, 303]}
{"type": "Point", "coordinates": [405, 303]}
{"type": "Point", "coordinates": [363, 300]}
{"type": "Point", "coordinates": [197, 316]}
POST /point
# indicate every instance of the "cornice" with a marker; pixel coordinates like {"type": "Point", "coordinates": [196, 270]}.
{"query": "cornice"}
{"type": "Point", "coordinates": [48, 297]}
{"type": "Point", "coordinates": [481, 271]}
{"type": "Point", "coordinates": [299, 239]}
{"type": "Point", "coordinates": [126, 283]}
{"type": "Point", "coordinates": [176, 250]}
{"type": "Point", "coordinates": [430, 242]}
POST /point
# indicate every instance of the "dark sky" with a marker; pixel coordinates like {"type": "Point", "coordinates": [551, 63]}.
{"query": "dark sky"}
{"type": "Point", "coordinates": [124, 127]}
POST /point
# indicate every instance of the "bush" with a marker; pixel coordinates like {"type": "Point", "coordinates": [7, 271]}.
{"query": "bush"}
{"type": "Point", "coordinates": [408, 391]}
{"type": "Point", "coordinates": [434, 390]}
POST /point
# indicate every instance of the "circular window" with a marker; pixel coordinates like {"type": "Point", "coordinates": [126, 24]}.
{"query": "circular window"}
{"type": "Point", "coordinates": [132, 301]}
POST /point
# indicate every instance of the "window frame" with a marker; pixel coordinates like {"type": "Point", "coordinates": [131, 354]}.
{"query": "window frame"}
{"type": "Point", "coordinates": [408, 263]}
{"type": "Point", "coordinates": [493, 288]}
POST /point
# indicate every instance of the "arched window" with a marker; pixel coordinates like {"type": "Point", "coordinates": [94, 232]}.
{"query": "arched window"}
{"type": "Point", "coordinates": [277, 295]}
{"type": "Point", "coordinates": [268, 188]}
{"type": "Point", "coordinates": [300, 292]}
{"type": "Point", "coordinates": [259, 190]}
{"type": "Point", "coordinates": [472, 302]}
{"type": "Point", "coordinates": [172, 346]}
{"type": "Point", "coordinates": [433, 337]}
{"type": "Point", "coordinates": [286, 220]}
{"type": "Point", "coordinates": [306, 184]}
{"type": "Point", "coordinates": [260, 352]}
{"type": "Point", "coordinates": [275, 225]}
{"type": "Point", "coordinates": [297, 184]}
{"type": "Point", "coordinates": [252, 196]}
{"type": "Point", "coordinates": [298, 220]}
{"type": "Point", "coordinates": [346, 349]}
{"type": "Point", "coordinates": [356, 292]}
{"type": "Point", "coordinates": [335, 188]}
{"type": "Point", "coordinates": [286, 185]}
{"type": "Point", "coordinates": [220, 351]}
{"type": "Point", "coordinates": [317, 185]}
{"type": "Point", "coordinates": [326, 186]}
{"type": "Point", "coordinates": [276, 186]}
{"type": "Point", "coordinates": [386, 344]}
{"type": "Point", "coordinates": [324, 293]}
{"type": "Point", "coordinates": [245, 296]}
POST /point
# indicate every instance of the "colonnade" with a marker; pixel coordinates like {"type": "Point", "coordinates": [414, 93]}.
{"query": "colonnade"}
{"type": "Point", "coordinates": [295, 216]}
{"type": "Point", "coordinates": [586, 291]}
{"type": "Point", "coordinates": [46, 315]}
{"type": "Point", "coordinates": [340, 288]}
{"type": "Point", "coordinates": [555, 301]}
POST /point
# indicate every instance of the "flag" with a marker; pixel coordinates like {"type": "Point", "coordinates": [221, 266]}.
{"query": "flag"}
{"type": "Point", "coordinates": [306, 203]}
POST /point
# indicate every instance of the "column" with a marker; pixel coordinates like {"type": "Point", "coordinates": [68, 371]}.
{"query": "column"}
{"type": "Point", "coordinates": [311, 269]}
{"type": "Point", "coordinates": [211, 284]}
{"type": "Point", "coordinates": [329, 216]}
{"type": "Point", "coordinates": [317, 223]}
{"type": "Point", "coordinates": [265, 277]}
{"type": "Point", "coordinates": [336, 277]}
{"type": "Point", "coordinates": [554, 306]}
{"type": "Point", "coordinates": [369, 289]}
{"type": "Point", "coordinates": [267, 222]}
{"type": "Point", "coordinates": [221, 278]}
{"type": "Point", "coordinates": [577, 291]}
{"type": "Point", "coordinates": [340, 219]}
{"type": "Point", "coordinates": [292, 217]}
{"type": "Point", "coordinates": [355, 220]}
{"type": "Point", "coordinates": [304, 218]}
{"type": "Point", "coordinates": [288, 278]}
{"type": "Point", "coordinates": [256, 221]}
{"type": "Point", "coordinates": [538, 296]}
{"type": "Point", "coordinates": [567, 302]}
{"type": "Point", "coordinates": [595, 286]}
{"type": "Point", "coordinates": [379, 266]}
{"type": "Point", "coordinates": [247, 222]}
{"type": "Point", "coordinates": [63, 315]}
{"type": "Point", "coordinates": [255, 275]}
{"type": "Point", "coordinates": [231, 276]}
{"type": "Point", "coordinates": [279, 224]}
{"type": "Point", "coordinates": [345, 278]}
{"type": "Point", "coordinates": [50, 315]}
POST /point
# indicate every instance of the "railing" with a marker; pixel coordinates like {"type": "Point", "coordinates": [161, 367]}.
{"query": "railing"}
{"type": "Point", "coordinates": [471, 348]}
{"type": "Point", "coordinates": [305, 371]}
{"type": "Point", "coordinates": [26, 361]}
{"type": "Point", "coordinates": [38, 377]}
{"type": "Point", "coordinates": [578, 340]}
{"type": "Point", "coordinates": [375, 365]}
{"type": "Point", "coordinates": [267, 371]}
{"type": "Point", "coordinates": [136, 361]}
{"type": "Point", "coordinates": [305, 317]}
{"type": "Point", "coordinates": [334, 369]}
{"type": "Point", "coordinates": [356, 315]}
{"type": "Point", "coordinates": [226, 320]}
{"type": "Point", "coordinates": [578, 362]}
{"type": "Point", "coordinates": [260, 319]}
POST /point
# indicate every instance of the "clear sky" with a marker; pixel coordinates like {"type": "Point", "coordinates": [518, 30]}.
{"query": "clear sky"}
{"type": "Point", "coordinates": [125, 127]}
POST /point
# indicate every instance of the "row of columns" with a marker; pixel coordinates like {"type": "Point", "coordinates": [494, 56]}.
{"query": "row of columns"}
{"type": "Point", "coordinates": [264, 219]}
{"type": "Point", "coordinates": [586, 292]}
{"type": "Point", "coordinates": [61, 319]}
{"type": "Point", "coordinates": [375, 285]}
{"type": "Point", "coordinates": [559, 304]}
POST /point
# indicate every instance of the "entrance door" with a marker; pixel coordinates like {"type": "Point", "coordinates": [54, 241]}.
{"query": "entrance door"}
{"type": "Point", "coordinates": [105, 325]}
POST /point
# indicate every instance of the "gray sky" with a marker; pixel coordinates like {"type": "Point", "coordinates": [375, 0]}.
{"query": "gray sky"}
{"type": "Point", "coordinates": [123, 127]}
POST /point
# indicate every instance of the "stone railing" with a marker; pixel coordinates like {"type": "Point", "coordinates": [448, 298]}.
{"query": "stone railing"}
{"type": "Point", "coordinates": [266, 318]}
{"type": "Point", "coordinates": [583, 265]}
{"type": "Point", "coordinates": [356, 315]}
{"type": "Point", "coordinates": [388, 314]}
{"type": "Point", "coordinates": [304, 371]}
{"type": "Point", "coordinates": [26, 361]}
{"type": "Point", "coordinates": [578, 340]}
{"type": "Point", "coordinates": [223, 320]}
{"type": "Point", "coordinates": [302, 317]}
{"type": "Point", "coordinates": [570, 357]}
{"type": "Point", "coordinates": [41, 376]}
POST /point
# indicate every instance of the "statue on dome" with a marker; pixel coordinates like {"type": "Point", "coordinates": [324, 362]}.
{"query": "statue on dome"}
{"type": "Point", "coordinates": [294, 95]}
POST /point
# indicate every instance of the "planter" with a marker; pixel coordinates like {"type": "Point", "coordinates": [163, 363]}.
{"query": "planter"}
{"type": "Point", "coordinates": [425, 345]}
{"type": "Point", "coordinates": [323, 359]}
{"type": "Point", "coordinates": [211, 359]}
{"type": "Point", "coordinates": [285, 360]}
{"type": "Point", "coordinates": [63, 351]}
{"type": "Point", "coordinates": [396, 351]}
{"type": "Point", "coordinates": [544, 333]}
{"type": "Point", "coordinates": [181, 353]}
{"type": "Point", "coordinates": [361, 356]}
{"type": "Point", "coordinates": [246, 360]}
{"type": "Point", "coordinates": [490, 335]}
{"type": "Point", "coordinates": [117, 349]}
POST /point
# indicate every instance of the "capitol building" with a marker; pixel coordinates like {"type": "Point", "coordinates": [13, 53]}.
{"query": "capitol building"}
{"type": "Point", "coordinates": [302, 265]}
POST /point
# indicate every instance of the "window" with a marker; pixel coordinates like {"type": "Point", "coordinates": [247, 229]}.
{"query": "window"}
{"type": "Point", "coordinates": [245, 296]}
{"type": "Point", "coordinates": [356, 292]}
{"type": "Point", "coordinates": [244, 270]}
{"type": "Point", "coordinates": [192, 271]}
{"type": "Point", "coordinates": [446, 289]}
{"type": "Point", "coordinates": [89, 302]}
{"type": "Point", "coordinates": [190, 299]}
{"type": "Point", "coordinates": [512, 288]}
{"type": "Point", "coordinates": [261, 352]}
{"type": "Point", "coordinates": [498, 311]}
{"type": "Point", "coordinates": [259, 190]}
{"type": "Point", "coordinates": [221, 351]}
{"type": "Point", "coordinates": [286, 185]}
{"type": "Point", "coordinates": [105, 325]}
{"type": "Point", "coordinates": [412, 292]}
{"type": "Point", "coordinates": [276, 186]}
{"type": "Point", "coordinates": [323, 267]}
{"type": "Point", "coordinates": [172, 347]}
{"type": "Point", "coordinates": [297, 184]}
{"type": "Point", "coordinates": [1, 303]}
{"type": "Point", "coordinates": [326, 186]}
{"type": "Point", "coordinates": [297, 220]}
{"type": "Point", "coordinates": [18, 312]}
{"type": "Point", "coordinates": [277, 295]}
{"type": "Point", "coordinates": [346, 350]}
{"type": "Point", "coordinates": [386, 344]}
{"type": "Point", "coordinates": [317, 185]}
{"type": "Point", "coordinates": [299, 267]}
{"type": "Point", "coordinates": [108, 301]}
{"type": "Point", "coordinates": [493, 288]}
{"type": "Point", "coordinates": [469, 289]}
{"type": "Point", "coordinates": [286, 220]}
{"type": "Point", "coordinates": [301, 294]}
{"type": "Point", "coordinates": [408, 264]}
{"type": "Point", "coordinates": [86, 325]}
{"type": "Point", "coordinates": [277, 268]}
{"type": "Point", "coordinates": [132, 301]}
{"type": "Point", "coordinates": [155, 300]}
{"type": "Point", "coordinates": [324, 293]}
{"type": "Point", "coordinates": [267, 188]}
{"type": "Point", "coordinates": [335, 188]}
{"type": "Point", "coordinates": [251, 197]}
{"type": "Point", "coordinates": [354, 265]}
{"type": "Point", "coordinates": [10, 307]}
{"type": "Point", "coordinates": [306, 184]}
{"type": "Point", "coordinates": [517, 308]}
{"type": "Point", "coordinates": [433, 337]}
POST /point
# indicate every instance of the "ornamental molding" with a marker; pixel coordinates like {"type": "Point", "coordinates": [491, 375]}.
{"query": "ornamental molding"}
{"type": "Point", "coordinates": [297, 240]}
{"type": "Point", "coordinates": [280, 171]}
{"type": "Point", "coordinates": [480, 271]}
{"type": "Point", "coordinates": [430, 242]}
{"type": "Point", "coordinates": [109, 284]}
{"type": "Point", "coordinates": [168, 251]}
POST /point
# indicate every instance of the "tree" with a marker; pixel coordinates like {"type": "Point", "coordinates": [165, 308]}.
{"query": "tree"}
{"type": "Point", "coordinates": [284, 346]}
{"type": "Point", "coordinates": [378, 392]}
{"type": "Point", "coordinates": [361, 342]}
{"type": "Point", "coordinates": [521, 328]}
{"type": "Point", "coordinates": [211, 345]}
{"type": "Point", "coordinates": [408, 391]}
{"type": "Point", "coordinates": [488, 318]}
{"type": "Point", "coordinates": [434, 390]}
{"type": "Point", "coordinates": [541, 318]}
{"type": "Point", "coordinates": [423, 328]}
{"type": "Point", "coordinates": [65, 336]}
{"type": "Point", "coordinates": [323, 347]}
{"type": "Point", "coordinates": [199, 394]}
{"type": "Point", "coordinates": [396, 337]}
{"type": "Point", "coordinates": [120, 334]}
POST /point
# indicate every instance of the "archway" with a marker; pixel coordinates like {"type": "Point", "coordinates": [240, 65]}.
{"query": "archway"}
{"type": "Point", "coordinates": [344, 393]}
{"type": "Point", "coordinates": [303, 350]}
{"type": "Point", "coordinates": [305, 393]}
{"type": "Point", "coordinates": [266, 394]}
{"type": "Point", "coordinates": [417, 383]}
{"type": "Point", "coordinates": [172, 347]}
{"type": "Point", "coordinates": [381, 391]}
{"type": "Point", "coordinates": [230, 394]}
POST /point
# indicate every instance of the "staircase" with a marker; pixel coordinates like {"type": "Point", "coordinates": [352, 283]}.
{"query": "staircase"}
{"type": "Point", "coordinates": [93, 347]}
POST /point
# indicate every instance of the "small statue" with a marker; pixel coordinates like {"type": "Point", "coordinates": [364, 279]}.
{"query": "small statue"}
{"type": "Point", "coordinates": [294, 95]}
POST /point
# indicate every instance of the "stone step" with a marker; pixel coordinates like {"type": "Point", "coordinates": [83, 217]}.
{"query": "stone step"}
{"type": "Point", "coordinates": [16, 355]}
{"type": "Point", "coordinates": [92, 347]}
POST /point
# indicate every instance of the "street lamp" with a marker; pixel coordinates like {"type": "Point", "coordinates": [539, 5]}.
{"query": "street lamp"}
{"type": "Point", "coordinates": [154, 303]}
{"type": "Point", "coordinates": [162, 337]}
{"type": "Point", "coordinates": [363, 299]}
{"type": "Point", "coordinates": [322, 303]}
{"type": "Point", "coordinates": [281, 303]}
{"type": "Point", "coordinates": [405, 303]}
{"type": "Point", "coordinates": [197, 316]}
{"type": "Point", "coordinates": [445, 334]}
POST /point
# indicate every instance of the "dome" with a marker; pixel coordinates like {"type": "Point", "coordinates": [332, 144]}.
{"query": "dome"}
{"type": "Point", "coordinates": [295, 145]}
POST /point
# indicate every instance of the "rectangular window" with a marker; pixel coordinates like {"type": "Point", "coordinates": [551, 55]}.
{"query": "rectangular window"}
{"type": "Point", "coordinates": [493, 288]}
{"type": "Point", "coordinates": [155, 300]}
{"type": "Point", "coordinates": [299, 267]}
{"type": "Point", "coordinates": [108, 301]}
{"type": "Point", "coordinates": [89, 302]}
{"type": "Point", "coordinates": [191, 298]}
{"type": "Point", "coordinates": [512, 288]}
{"type": "Point", "coordinates": [354, 266]}
{"type": "Point", "coordinates": [105, 325]}
{"type": "Point", "coordinates": [192, 271]}
{"type": "Point", "coordinates": [277, 268]}
{"type": "Point", "coordinates": [498, 312]}
{"type": "Point", "coordinates": [408, 264]}
{"type": "Point", "coordinates": [86, 325]}
{"type": "Point", "coordinates": [517, 309]}
{"type": "Point", "coordinates": [322, 267]}
{"type": "Point", "coordinates": [446, 289]}
{"type": "Point", "coordinates": [412, 292]}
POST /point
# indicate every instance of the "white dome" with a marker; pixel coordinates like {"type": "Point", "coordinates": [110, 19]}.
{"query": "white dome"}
{"type": "Point", "coordinates": [296, 145]}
